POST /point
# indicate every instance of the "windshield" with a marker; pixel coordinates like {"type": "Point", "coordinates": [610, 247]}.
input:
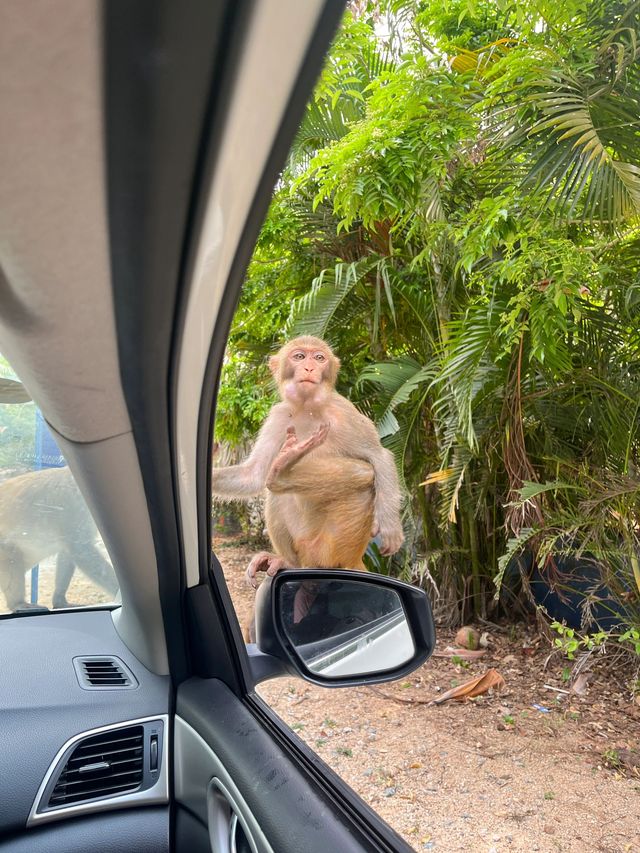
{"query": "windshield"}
{"type": "Point", "coordinates": [51, 554]}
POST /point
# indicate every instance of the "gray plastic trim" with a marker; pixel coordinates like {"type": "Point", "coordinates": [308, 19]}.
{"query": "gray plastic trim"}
{"type": "Point", "coordinates": [157, 794]}
{"type": "Point", "coordinates": [108, 475]}
{"type": "Point", "coordinates": [198, 772]}
{"type": "Point", "coordinates": [223, 817]}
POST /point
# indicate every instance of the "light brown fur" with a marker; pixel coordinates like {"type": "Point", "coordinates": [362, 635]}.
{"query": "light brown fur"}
{"type": "Point", "coordinates": [331, 486]}
{"type": "Point", "coordinates": [331, 504]}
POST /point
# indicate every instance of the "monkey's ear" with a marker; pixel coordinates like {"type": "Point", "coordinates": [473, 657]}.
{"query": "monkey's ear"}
{"type": "Point", "coordinates": [334, 367]}
{"type": "Point", "coordinates": [274, 365]}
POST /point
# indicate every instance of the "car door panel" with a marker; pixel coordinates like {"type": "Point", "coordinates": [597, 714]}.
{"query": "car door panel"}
{"type": "Point", "coordinates": [217, 736]}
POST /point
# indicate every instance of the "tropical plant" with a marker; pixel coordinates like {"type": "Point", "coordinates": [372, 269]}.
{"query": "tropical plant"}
{"type": "Point", "coordinates": [459, 216]}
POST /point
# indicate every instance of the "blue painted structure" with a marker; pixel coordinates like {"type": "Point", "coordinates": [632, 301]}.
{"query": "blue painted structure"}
{"type": "Point", "coordinates": [46, 455]}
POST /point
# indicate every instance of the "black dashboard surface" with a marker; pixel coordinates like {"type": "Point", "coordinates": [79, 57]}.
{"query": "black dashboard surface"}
{"type": "Point", "coordinates": [42, 704]}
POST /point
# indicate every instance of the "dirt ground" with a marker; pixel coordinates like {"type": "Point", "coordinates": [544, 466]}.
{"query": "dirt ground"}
{"type": "Point", "coordinates": [493, 774]}
{"type": "Point", "coordinates": [81, 591]}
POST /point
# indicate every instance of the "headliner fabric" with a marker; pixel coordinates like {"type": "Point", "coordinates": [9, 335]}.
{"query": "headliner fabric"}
{"type": "Point", "coordinates": [57, 324]}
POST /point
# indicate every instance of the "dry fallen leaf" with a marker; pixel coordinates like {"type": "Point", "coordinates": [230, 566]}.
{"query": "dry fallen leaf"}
{"type": "Point", "coordinates": [473, 687]}
{"type": "Point", "coordinates": [581, 683]}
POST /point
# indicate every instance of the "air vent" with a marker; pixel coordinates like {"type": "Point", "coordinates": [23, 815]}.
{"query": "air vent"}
{"type": "Point", "coordinates": [101, 766]}
{"type": "Point", "coordinates": [105, 768]}
{"type": "Point", "coordinates": [100, 673]}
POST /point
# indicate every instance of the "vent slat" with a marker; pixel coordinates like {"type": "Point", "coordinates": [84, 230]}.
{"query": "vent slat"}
{"type": "Point", "coordinates": [73, 772]}
{"type": "Point", "coordinates": [105, 792]}
{"type": "Point", "coordinates": [121, 743]}
{"type": "Point", "coordinates": [110, 737]}
{"type": "Point", "coordinates": [122, 749]}
{"type": "Point", "coordinates": [103, 755]}
{"type": "Point", "coordinates": [92, 784]}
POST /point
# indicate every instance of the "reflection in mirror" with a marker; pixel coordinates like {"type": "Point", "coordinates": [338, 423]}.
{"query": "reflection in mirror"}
{"type": "Point", "coordinates": [345, 628]}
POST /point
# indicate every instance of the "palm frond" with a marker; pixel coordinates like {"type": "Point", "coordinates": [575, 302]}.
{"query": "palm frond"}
{"type": "Point", "coordinates": [397, 380]}
{"type": "Point", "coordinates": [575, 124]}
{"type": "Point", "coordinates": [314, 312]}
{"type": "Point", "coordinates": [468, 367]}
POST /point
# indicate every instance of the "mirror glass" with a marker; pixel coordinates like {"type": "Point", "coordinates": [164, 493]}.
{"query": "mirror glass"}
{"type": "Point", "coordinates": [345, 628]}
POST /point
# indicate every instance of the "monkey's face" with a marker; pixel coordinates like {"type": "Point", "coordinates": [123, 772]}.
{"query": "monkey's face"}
{"type": "Point", "coordinates": [305, 370]}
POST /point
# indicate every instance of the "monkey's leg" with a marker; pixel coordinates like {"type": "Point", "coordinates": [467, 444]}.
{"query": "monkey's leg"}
{"type": "Point", "coordinates": [277, 518]}
{"type": "Point", "coordinates": [90, 561]}
{"type": "Point", "coordinates": [261, 562]}
{"type": "Point", "coordinates": [12, 569]}
{"type": "Point", "coordinates": [285, 555]}
{"type": "Point", "coordinates": [65, 567]}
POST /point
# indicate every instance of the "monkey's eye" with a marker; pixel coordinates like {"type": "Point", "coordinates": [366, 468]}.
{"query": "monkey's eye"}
{"type": "Point", "coordinates": [297, 356]}
{"type": "Point", "coordinates": [319, 356]}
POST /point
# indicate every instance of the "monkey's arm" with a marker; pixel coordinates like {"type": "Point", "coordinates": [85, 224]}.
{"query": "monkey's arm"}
{"type": "Point", "coordinates": [387, 502]}
{"type": "Point", "coordinates": [249, 477]}
{"type": "Point", "coordinates": [387, 494]}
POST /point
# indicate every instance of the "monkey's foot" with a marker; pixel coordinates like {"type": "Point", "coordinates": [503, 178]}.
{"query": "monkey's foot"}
{"type": "Point", "coordinates": [292, 450]}
{"type": "Point", "coordinates": [24, 605]}
{"type": "Point", "coordinates": [59, 603]}
{"type": "Point", "coordinates": [264, 562]}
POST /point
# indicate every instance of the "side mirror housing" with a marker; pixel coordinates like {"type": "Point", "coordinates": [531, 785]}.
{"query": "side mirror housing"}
{"type": "Point", "coordinates": [340, 628]}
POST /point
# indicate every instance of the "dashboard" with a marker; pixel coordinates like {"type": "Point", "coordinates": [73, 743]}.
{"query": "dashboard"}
{"type": "Point", "coordinates": [83, 733]}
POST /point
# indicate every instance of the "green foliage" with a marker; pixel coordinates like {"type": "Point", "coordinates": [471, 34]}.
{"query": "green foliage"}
{"type": "Point", "coordinates": [17, 436]}
{"type": "Point", "coordinates": [571, 642]}
{"type": "Point", "coordinates": [17, 430]}
{"type": "Point", "coordinates": [459, 217]}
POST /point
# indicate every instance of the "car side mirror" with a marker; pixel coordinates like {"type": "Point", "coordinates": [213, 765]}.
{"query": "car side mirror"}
{"type": "Point", "coordinates": [340, 628]}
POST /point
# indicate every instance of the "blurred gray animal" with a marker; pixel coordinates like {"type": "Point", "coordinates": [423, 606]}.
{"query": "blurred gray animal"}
{"type": "Point", "coordinates": [41, 514]}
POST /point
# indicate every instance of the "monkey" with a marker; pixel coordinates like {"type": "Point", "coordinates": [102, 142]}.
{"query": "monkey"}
{"type": "Point", "coordinates": [43, 513]}
{"type": "Point", "coordinates": [331, 485]}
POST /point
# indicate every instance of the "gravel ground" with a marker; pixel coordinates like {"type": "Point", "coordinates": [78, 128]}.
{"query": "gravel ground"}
{"type": "Point", "coordinates": [494, 774]}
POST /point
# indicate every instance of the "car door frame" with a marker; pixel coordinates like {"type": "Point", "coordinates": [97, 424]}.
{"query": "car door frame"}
{"type": "Point", "coordinates": [156, 178]}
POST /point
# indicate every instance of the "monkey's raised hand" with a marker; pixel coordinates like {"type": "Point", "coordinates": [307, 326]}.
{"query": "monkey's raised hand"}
{"type": "Point", "coordinates": [292, 450]}
{"type": "Point", "coordinates": [264, 562]}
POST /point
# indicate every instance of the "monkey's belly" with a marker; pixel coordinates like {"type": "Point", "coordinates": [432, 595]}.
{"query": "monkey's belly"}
{"type": "Point", "coordinates": [21, 552]}
{"type": "Point", "coordinates": [321, 536]}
